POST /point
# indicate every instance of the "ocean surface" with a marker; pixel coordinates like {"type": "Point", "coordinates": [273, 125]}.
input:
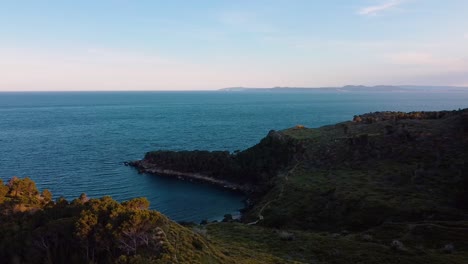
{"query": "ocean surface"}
{"type": "Point", "coordinates": [77, 142]}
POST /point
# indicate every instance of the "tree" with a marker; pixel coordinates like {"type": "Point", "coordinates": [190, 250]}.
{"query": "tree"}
{"type": "Point", "coordinates": [139, 230]}
{"type": "Point", "coordinates": [227, 218]}
{"type": "Point", "coordinates": [13, 185]}
{"type": "Point", "coordinates": [47, 195]}
{"type": "Point", "coordinates": [137, 203]}
{"type": "Point", "coordinates": [85, 228]}
{"type": "Point", "coordinates": [3, 191]}
{"type": "Point", "coordinates": [83, 198]}
{"type": "Point", "coordinates": [61, 202]}
{"type": "Point", "coordinates": [25, 187]}
{"type": "Point", "coordinates": [28, 187]}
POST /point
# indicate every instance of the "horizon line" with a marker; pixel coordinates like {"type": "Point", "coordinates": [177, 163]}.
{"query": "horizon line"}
{"type": "Point", "coordinates": [239, 87]}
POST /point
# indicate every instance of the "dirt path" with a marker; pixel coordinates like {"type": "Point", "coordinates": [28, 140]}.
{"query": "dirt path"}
{"type": "Point", "coordinates": [260, 213]}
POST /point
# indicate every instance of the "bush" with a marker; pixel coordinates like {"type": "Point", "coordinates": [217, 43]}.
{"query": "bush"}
{"type": "Point", "coordinates": [285, 236]}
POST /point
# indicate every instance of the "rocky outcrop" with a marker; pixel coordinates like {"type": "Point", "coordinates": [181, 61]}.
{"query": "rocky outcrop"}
{"type": "Point", "coordinates": [144, 166]}
{"type": "Point", "coordinates": [394, 116]}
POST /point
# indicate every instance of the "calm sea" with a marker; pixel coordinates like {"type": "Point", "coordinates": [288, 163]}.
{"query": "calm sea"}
{"type": "Point", "coordinates": [76, 142]}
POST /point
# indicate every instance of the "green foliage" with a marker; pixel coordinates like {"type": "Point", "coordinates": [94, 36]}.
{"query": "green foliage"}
{"type": "Point", "coordinates": [106, 226]}
{"type": "Point", "coordinates": [47, 195]}
{"type": "Point", "coordinates": [92, 231]}
{"type": "Point", "coordinates": [3, 191]}
{"type": "Point", "coordinates": [227, 218]}
{"type": "Point", "coordinates": [395, 116]}
{"type": "Point", "coordinates": [369, 174]}
{"type": "Point", "coordinates": [265, 245]}
{"type": "Point", "coordinates": [256, 165]}
{"type": "Point", "coordinates": [137, 203]}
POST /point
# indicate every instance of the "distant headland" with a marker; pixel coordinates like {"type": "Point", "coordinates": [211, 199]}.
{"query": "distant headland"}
{"type": "Point", "coordinates": [352, 88]}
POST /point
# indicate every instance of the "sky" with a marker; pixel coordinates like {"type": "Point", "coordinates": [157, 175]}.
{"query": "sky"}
{"type": "Point", "coordinates": [204, 45]}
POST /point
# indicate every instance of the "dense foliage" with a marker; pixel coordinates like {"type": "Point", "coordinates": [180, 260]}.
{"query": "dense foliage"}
{"type": "Point", "coordinates": [357, 175]}
{"type": "Point", "coordinates": [395, 116]}
{"type": "Point", "coordinates": [256, 165]}
{"type": "Point", "coordinates": [35, 229]}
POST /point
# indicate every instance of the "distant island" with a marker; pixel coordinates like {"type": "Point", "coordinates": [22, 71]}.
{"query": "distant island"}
{"type": "Point", "coordinates": [352, 88]}
{"type": "Point", "coordinates": [385, 187]}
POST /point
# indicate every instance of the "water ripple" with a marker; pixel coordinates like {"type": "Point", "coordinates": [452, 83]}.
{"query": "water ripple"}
{"type": "Point", "coordinates": [76, 142]}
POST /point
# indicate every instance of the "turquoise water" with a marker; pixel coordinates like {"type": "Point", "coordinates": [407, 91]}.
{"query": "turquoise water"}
{"type": "Point", "coordinates": [76, 142]}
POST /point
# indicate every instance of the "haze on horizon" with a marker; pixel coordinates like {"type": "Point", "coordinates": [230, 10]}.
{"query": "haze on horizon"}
{"type": "Point", "coordinates": [206, 45]}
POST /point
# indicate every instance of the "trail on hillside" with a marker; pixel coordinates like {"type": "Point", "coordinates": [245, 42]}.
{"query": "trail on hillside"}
{"type": "Point", "coordinates": [260, 213]}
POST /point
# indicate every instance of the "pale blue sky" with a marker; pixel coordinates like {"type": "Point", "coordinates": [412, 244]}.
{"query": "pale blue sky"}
{"type": "Point", "coordinates": [185, 45]}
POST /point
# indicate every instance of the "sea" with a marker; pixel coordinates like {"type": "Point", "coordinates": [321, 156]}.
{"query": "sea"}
{"type": "Point", "coordinates": [76, 142]}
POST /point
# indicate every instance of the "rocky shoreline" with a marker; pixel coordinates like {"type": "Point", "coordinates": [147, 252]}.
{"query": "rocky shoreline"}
{"type": "Point", "coordinates": [146, 167]}
{"type": "Point", "coordinates": [250, 171]}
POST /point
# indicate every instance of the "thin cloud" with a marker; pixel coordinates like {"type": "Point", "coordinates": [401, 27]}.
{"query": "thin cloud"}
{"type": "Point", "coordinates": [426, 60]}
{"type": "Point", "coordinates": [245, 22]}
{"type": "Point", "coordinates": [376, 9]}
{"type": "Point", "coordinates": [412, 58]}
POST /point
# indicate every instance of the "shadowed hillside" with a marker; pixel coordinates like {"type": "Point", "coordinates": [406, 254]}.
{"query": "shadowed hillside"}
{"type": "Point", "coordinates": [382, 167]}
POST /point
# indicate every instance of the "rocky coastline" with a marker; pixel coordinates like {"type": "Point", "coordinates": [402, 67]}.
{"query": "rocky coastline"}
{"type": "Point", "coordinates": [250, 171]}
{"type": "Point", "coordinates": [144, 166]}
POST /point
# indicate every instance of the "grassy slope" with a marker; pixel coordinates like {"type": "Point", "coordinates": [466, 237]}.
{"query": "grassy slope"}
{"type": "Point", "coordinates": [351, 184]}
{"type": "Point", "coordinates": [386, 185]}
{"type": "Point", "coordinates": [190, 247]}
{"type": "Point", "coordinates": [255, 244]}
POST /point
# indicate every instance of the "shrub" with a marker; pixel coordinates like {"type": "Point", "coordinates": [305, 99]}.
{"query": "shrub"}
{"type": "Point", "coordinates": [285, 236]}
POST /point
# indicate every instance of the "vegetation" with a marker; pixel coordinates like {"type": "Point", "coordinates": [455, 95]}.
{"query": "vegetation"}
{"type": "Point", "coordinates": [267, 245]}
{"type": "Point", "coordinates": [34, 229]}
{"type": "Point", "coordinates": [255, 165]}
{"type": "Point", "coordinates": [395, 116]}
{"type": "Point", "coordinates": [385, 188]}
{"type": "Point", "coordinates": [372, 173]}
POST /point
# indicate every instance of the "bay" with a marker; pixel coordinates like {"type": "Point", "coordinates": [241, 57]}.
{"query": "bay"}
{"type": "Point", "coordinates": [75, 142]}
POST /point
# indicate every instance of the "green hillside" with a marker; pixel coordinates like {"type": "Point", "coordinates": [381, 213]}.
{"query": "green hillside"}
{"type": "Point", "coordinates": [387, 187]}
